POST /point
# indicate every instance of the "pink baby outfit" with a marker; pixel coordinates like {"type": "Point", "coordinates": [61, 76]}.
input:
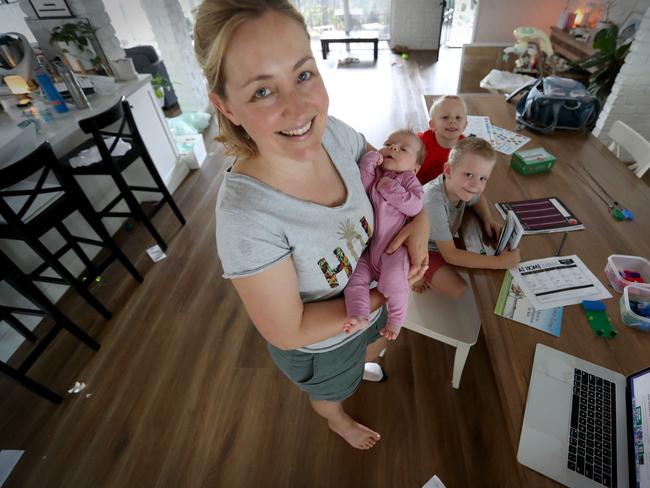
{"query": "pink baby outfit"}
{"type": "Point", "coordinates": [395, 197]}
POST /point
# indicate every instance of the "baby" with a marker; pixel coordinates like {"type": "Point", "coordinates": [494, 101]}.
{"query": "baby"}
{"type": "Point", "coordinates": [461, 184]}
{"type": "Point", "coordinates": [447, 121]}
{"type": "Point", "coordinates": [396, 194]}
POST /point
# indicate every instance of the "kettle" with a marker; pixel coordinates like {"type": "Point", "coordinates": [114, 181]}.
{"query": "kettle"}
{"type": "Point", "coordinates": [16, 55]}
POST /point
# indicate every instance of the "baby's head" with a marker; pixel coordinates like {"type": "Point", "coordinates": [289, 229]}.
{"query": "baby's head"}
{"type": "Point", "coordinates": [448, 119]}
{"type": "Point", "coordinates": [402, 151]}
{"type": "Point", "coordinates": [468, 168]}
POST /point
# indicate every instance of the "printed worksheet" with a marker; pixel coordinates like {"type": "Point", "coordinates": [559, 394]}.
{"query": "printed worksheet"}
{"type": "Point", "coordinates": [479, 126]}
{"type": "Point", "coordinates": [558, 281]}
{"type": "Point", "coordinates": [506, 141]}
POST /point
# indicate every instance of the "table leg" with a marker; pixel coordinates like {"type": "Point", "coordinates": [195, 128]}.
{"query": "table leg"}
{"type": "Point", "coordinates": [462, 350]}
{"type": "Point", "coordinates": [376, 49]}
{"type": "Point", "coordinates": [324, 46]}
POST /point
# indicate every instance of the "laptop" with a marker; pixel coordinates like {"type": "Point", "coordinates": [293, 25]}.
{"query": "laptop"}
{"type": "Point", "coordinates": [585, 425]}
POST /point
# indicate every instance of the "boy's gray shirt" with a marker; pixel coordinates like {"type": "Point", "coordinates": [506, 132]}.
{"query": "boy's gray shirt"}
{"type": "Point", "coordinates": [258, 226]}
{"type": "Point", "coordinates": [444, 217]}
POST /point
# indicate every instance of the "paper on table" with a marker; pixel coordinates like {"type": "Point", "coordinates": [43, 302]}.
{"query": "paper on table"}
{"type": "Point", "coordinates": [506, 141]}
{"type": "Point", "coordinates": [91, 155]}
{"type": "Point", "coordinates": [514, 305]}
{"type": "Point", "coordinates": [558, 281]}
{"type": "Point", "coordinates": [434, 483]}
{"type": "Point", "coordinates": [479, 126]}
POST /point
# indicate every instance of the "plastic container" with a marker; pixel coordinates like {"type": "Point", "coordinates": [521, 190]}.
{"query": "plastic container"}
{"type": "Point", "coordinates": [639, 293]}
{"type": "Point", "coordinates": [617, 263]}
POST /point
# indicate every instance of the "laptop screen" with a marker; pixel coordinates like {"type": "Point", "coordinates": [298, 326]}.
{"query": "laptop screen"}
{"type": "Point", "coordinates": [640, 395]}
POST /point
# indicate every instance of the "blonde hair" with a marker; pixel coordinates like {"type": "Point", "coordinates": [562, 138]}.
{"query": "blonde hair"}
{"type": "Point", "coordinates": [439, 101]}
{"type": "Point", "coordinates": [471, 145]}
{"type": "Point", "coordinates": [419, 155]}
{"type": "Point", "coordinates": [216, 22]}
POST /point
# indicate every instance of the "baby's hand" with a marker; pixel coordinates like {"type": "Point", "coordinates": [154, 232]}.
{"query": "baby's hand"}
{"type": "Point", "coordinates": [385, 181]}
{"type": "Point", "coordinates": [390, 332]}
{"type": "Point", "coordinates": [353, 324]}
{"type": "Point", "coordinates": [492, 228]}
{"type": "Point", "coordinates": [380, 159]}
{"type": "Point", "coordinates": [509, 259]}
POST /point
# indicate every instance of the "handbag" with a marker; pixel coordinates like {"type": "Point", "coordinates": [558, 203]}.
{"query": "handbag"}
{"type": "Point", "coordinates": [556, 103]}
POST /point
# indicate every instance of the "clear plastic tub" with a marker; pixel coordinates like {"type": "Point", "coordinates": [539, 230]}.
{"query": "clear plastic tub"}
{"type": "Point", "coordinates": [618, 263]}
{"type": "Point", "coordinates": [639, 293]}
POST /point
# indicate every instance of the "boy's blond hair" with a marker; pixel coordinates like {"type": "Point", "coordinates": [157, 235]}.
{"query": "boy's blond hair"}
{"type": "Point", "coordinates": [438, 101]}
{"type": "Point", "coordinates": [419, 155]}
{"type": "Point", "coordinates": [471, 145]}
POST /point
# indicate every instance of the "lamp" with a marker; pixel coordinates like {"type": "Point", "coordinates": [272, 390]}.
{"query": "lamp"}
{"type": "Point", "coordinates": [16, 62]}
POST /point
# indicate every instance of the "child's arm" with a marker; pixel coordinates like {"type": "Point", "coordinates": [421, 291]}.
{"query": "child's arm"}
{"type": "Point", "coordinates": [467, 259]}
{"type": "Point", "coordinates": [482, 209]}
{"type": "Point", "coordinates": [406, 197]}
{"type": "Point", "coordinates": [368, 168]}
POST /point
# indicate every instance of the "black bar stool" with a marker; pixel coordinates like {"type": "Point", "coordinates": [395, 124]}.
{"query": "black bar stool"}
{"type": "Point", "coordinates": [22, 284]}
{"type": "Point", "coordinates": [32, 203]}
{"type": "Point", "coordinates": [113, 166]}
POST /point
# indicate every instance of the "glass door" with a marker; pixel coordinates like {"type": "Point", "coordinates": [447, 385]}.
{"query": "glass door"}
{"type": "Point", "coordinates": [345, 15]}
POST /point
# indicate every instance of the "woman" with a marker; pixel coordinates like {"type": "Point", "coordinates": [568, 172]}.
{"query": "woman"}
{"type": "Point", "coordinates": [292, 215]}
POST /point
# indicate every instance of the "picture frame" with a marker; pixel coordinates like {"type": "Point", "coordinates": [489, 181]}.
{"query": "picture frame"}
{"type": "Point", "coordinates": [51, 9]}
{"type": "Point", "coordinates": [628, 29]}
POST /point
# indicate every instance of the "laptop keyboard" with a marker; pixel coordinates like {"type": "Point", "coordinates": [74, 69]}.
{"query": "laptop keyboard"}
{"type": "Point", "coordinates": [592, 432]}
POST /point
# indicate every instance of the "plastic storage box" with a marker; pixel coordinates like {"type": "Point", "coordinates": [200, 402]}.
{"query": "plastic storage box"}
{"type": "Point", "coordinates": [532, 161]}
{"type": "Point", "coordinates": [618, 263]}
{"type": "Point", "coordinates": [639, 293]}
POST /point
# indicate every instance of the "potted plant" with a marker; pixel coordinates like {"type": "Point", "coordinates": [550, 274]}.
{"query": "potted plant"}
{"type": "Point", "coordinates": [159, 83]}
{"type": "Point", "coordinates": [608, 60]}
{"type": "Point", "coordinates": [75, 41]}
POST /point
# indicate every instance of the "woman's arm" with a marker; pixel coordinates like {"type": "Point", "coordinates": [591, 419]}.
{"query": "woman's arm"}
{"type": "Point", "coordinates": [273, 303]}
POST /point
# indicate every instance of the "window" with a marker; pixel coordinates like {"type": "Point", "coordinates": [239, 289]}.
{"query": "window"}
{"type": "Point", "coordinates": [322, 15]}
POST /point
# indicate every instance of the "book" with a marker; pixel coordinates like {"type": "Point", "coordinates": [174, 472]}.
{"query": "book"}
{"type": "Point", "coordinates": [513, 305]}
{"type": "Point", "coordinates": [510, 235]}
{"type": "Point", "coordinates": [542, 215]}
{"type": "Point", "coordinates": [479, 126]}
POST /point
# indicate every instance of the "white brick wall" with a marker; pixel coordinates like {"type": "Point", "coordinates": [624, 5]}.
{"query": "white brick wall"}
{"type": "Point", "coordinates": [173, 36]}
{"type": "Point", "coordinates": [629, 100]}
{"type": "Point", "coordinates": [415, 24]}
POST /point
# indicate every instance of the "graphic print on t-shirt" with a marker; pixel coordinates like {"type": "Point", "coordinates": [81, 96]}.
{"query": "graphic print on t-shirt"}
{"type": "Point", "coordinates": [349, 235]}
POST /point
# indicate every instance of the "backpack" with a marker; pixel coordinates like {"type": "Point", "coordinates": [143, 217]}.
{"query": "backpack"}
{"type": "Point", "coordinates": [556, 103]}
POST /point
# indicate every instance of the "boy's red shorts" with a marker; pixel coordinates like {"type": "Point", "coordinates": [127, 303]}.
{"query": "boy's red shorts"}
{"type": "Point", "coordinates": [436, 261]}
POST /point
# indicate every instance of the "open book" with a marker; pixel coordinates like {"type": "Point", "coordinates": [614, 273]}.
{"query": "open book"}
{"type": "Point", "coordinates": [510, 235]}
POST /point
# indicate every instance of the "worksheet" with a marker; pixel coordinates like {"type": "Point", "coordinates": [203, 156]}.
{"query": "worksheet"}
{"type": "Point", "coordinates": [479, 126]}
{"type": "Point", "coordinates": [557, 281]}
{"type": "Point", "coordinates": [507, 142]}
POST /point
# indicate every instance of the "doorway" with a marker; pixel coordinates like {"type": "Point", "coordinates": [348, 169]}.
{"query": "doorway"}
{"type": "Point", "coordinates": [458, 20]}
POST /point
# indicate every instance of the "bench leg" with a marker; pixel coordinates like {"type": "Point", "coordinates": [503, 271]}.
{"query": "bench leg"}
{"type": "Point", "coordinates": [462, 350]}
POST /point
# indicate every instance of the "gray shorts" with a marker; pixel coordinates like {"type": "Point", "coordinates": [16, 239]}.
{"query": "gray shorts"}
{"type": "Point", "coordinates": [332, 375]}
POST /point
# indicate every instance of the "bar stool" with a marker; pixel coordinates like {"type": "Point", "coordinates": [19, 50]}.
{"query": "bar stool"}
{"type": "Point", "coordinates": [32, 203]}
{"type": "Point", "coordinates": [22, 284]}
{"type": "Point", "coordinates": [112, 165]}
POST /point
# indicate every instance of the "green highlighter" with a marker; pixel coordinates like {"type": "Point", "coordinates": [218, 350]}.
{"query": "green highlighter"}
{"type": "Point", "coordinates": [598, 320]}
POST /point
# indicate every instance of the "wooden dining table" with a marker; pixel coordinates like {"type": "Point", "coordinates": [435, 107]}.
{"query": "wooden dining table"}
{"type": "Point", "coordinates": [511, 345]}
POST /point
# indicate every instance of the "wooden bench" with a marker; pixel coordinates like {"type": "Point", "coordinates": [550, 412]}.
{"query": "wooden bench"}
{"type": "Point", "coordinates": [328, 37]}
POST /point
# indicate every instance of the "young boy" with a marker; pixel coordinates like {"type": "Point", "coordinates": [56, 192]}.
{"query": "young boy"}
{"type": "Point", "coordinates": [388, 175]}
{"type": "Point", "coordinates": [447, 121]}
{"type": "Point", "coordinates": [461, 184]}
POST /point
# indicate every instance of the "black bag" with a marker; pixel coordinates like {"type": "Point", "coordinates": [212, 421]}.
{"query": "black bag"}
{"type": "Point", "coordinates": [556, 103]}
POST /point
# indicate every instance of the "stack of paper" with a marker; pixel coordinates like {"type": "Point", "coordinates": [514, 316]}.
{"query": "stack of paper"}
{"type": "Point", "coordinates": [502, 140]}
{"type": "Point", "coordinates": [479, 126]}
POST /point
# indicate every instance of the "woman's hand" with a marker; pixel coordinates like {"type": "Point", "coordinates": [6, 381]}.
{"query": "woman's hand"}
{"type": "Point", "coordinates": [415, 236]}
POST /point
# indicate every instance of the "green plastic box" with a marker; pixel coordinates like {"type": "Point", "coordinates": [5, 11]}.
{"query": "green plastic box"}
{"type": "Point", "coordinates": [532, 161]}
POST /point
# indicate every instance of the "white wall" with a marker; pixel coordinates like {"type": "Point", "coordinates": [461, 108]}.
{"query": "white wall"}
{"type": "Point", "coordinates": [496, 19]}
{"type": "Point", "coordinates": [130, 22]}
{"type": "Point", "coordinates": [12, 19]}
{"type": "Point", "coordinates": [415, 23]}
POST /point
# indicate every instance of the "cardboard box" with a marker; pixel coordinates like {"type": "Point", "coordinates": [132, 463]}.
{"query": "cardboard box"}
{"type": "Point", "coordinates": [532, 161]}
{"type": "Point", "coordinates": [192, 150]}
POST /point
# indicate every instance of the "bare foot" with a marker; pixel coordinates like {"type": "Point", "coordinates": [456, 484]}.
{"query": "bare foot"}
{"type": "Point", "coordinates": [420, 286]}
{"type": "Point", "coordinates": [357, 435]}
{"type": "Point", "coordinates": [390, 332]}
{"type": "Point", "coordinates": [353, 324]}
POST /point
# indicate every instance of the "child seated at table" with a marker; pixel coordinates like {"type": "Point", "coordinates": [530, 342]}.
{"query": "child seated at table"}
{"type": "Point", "coordinates": [388, 177]}
{"type": "Point", "coordinates": [447, 121]}
{"type": "Point", "coordinates": [461, 184]}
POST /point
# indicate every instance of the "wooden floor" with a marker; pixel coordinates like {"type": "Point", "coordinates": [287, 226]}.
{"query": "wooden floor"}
{"type": "Point", "coordinates": [183, 393]}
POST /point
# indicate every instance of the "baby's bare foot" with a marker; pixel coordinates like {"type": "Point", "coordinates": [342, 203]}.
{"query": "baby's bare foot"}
{"type": "Point", "coordinates": [390, 332]}
{"type": "Point", "coordinates": [420, 286]}
{"type": "Point", "coordinates": [353, 324]}
{"type": "Point", "coordinates": [357, 435]}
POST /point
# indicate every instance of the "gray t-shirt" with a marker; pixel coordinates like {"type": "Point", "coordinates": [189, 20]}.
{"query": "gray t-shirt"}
{"type": "Point", "coordinates": [444, 217]}
{"type": "Point", "coordinates": [258, 226]}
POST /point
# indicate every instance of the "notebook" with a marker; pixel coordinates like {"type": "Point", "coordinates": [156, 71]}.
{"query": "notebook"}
{"type": "Point", "coordinates": [585, 425]}
{"type": "Point", "coordinates": [510, 234]}
{"type": "Point", "coordinates": [542, 215]}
